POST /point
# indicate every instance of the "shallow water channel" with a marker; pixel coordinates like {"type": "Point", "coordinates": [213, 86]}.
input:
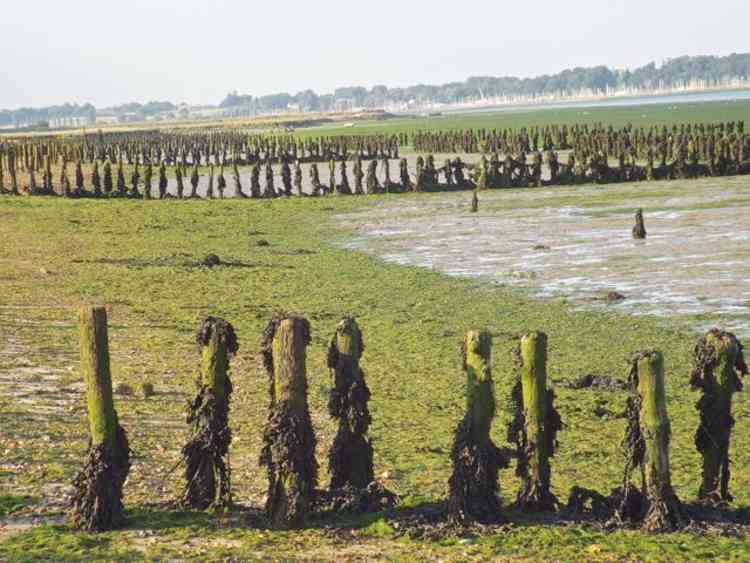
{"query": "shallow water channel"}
{"type": "Point", "coordinates": [576, 243]}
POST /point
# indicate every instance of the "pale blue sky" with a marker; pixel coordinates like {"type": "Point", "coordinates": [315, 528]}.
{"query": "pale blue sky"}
{"type": "Point", "coordinates": [110, 52]}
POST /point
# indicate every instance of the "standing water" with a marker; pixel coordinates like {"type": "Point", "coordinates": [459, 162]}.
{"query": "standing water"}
{"type": "Point", "coordinates": [576, 243]}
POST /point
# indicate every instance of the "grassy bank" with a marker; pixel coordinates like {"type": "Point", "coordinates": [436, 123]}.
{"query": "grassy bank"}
{"type": "Point", "coordinates": [656, 114]}
{"type": "Point", "coordinates": [141, 259]}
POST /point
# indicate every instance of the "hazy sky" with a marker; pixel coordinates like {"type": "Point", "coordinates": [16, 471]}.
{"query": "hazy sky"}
{"type": "Point", "coordinates": [110, 52]}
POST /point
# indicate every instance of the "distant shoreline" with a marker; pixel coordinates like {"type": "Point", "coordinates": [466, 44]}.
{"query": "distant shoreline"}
{"type": "Point", "coordinates": [618, 100]}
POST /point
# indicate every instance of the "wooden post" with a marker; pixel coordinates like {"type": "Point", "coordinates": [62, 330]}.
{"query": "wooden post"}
{"type": "Point", "coordinates": [97, 500]}
{"type": "Point", "coordinates": [289, 440]}
{"type": "Point", "coordinates": [476, 460]}
{"type": "Point", "coordinates": [206, 469]}
{"type": "Point", "coordinates": [350, 458]}
{"type": "Point", "coordinates": [719, 365]}
{"type": "Point", "coordinates": [13, 176]}
{"type": "Point", "coordinates": [639, 230]}
{"type": "Point", "coordinates": [96, 375]}
{"type": "Point", "coordinates": [664, 510]}
{"type": "Point", "coordinates": [536, 426]}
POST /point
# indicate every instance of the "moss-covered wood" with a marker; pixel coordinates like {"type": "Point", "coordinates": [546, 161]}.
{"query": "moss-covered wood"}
{"type": "Point", "coordinates": [473, 485]}
{"type": "Point", "coordinates": [350, 457]}
{"type": "Point", "coordinates": [206, 468]}
{"type": "Point", "coordinates": [535, 425]}
{"type": "Point", "coordinates": [664, 512]}
{"type": "Point", "coordinates": [289, 441]}
{"type": "Point", "coordinates": [97, 497]}
{"type": "Point", "coordinates": [718, 367]}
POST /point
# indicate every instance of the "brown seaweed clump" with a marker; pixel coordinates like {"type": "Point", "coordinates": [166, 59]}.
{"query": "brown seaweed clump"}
{"type": "Point", "coordinates": [718, 368]}
{"type": "Point", "coordinates": [350, 462]}
{"type": "Point", "coordinates": [473, 486]}
{"type": "Point", "coordinates": [207, 474]}
{"type": "Point", "coordinates": [97, 489]}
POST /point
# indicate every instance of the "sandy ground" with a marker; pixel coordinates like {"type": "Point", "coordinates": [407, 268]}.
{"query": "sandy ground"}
{"type": "Point", "coordinates": [564, 243]}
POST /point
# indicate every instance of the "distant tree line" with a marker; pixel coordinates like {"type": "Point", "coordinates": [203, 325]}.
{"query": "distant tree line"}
{"type": "Point", "coordinates": [140, 110]}
{"type": "Point", "coordinates": [66, 113]}
{"type": "Point", "coordinates": [673, 73]}
{"type": "Point", "coordinates": [75, 114]}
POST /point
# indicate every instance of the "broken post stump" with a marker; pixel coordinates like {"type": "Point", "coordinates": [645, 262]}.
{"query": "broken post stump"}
{"type": "Point", "coordinates": [535, 425]}
{"type": "Point", "coordinates": [474, 202]}
{"type": "Point", "coordinates": [718, 366]}
{"type": "Point", "coordinates": [97, 497]}
{"type": "Point", "coordinates": [473, 485]}
{"type": "Point", "coordinates": [664, 511]}
{"type": "Point", "coordinates": [639, 230]}
{"type": "Point", "coordinates": [289, 441]}
{"type": "Point", "coordinates": [207, 478]}
{"type": "Point", "coordinates": [350, 458]}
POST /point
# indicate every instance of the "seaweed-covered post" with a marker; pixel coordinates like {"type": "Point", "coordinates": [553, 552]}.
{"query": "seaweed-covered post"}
{"type": "Point", "coordinates": [97, 496]}
{"type": "Point", "coordinates": [718, 367]}
{"type": "Point", "coordinates": [350, 460]}
{"type": "Point", "coordinates": [13, 174]}
{"type": "Point", "coordinates": [205, 455]}
{"type": "Point", "coordinates": [639, 230]}
{"type": "Point", "coordinates": [288, 439]}
{"type": "Point", "coordinates": [473, 485]}
{"type": "Point", "coordinates": [647, 378]}
{"type": "Point", "coordinates": [534, 429]}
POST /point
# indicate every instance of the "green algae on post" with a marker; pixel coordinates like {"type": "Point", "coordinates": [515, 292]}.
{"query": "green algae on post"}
{"type": "Point", "coordinates": [718, 367]}
{"type": "Point", "coordinates": [288, 439]}
{"type": "Point", "coordinates": [664, 510]}
{"type": "Point", "coordinates": [97, 497]}
{"type": "Point", "coordinates": [205, 455]}
{"type": "Point", "coordinates": [473, 486]}
{"type": "Point", "coordinates": [535, 426]}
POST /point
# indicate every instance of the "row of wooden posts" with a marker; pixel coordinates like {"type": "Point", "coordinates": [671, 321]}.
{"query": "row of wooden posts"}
{"type": "Point", "coordinates": [289, 440]}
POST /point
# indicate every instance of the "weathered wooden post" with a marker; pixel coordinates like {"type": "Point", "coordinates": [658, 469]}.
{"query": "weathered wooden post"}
{"type": "Point", "coordinates": [651, 450]}
{"type": "Point", "coordinates": [473, 485]}
{"type": "Point", "coordinates": [210, 189]}
{"type": "Point", "coordinates": [288, 440]}
{"type": "Point", "coordinates": [639, 230]}
{"type": "Point", "coordinates": [97, 496]}
{"type": "Point", "coordinates": [205, 455]}
{"type": "Point", "coordinates": [13, 174]}
{"type": "Point", "coordinates": [535, 426]}
{"type": "Point", "coordinates": [350, 458]}
{"type": "Point", "coordinates": [718, 366]}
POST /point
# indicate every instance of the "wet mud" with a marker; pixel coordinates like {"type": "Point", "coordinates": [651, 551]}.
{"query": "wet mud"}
{"type": "Point", "coordinates": [576, 244]}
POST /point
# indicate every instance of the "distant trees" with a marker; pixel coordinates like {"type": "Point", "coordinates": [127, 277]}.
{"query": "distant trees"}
{"type": "Point", "coordinates": [74, 115]}
{"type": "Point", "coordinates": [679, 72]}
{"type": "Point", "coordinates": [67, 114]}
{"type": "Point", "coordinates": [672, 73]}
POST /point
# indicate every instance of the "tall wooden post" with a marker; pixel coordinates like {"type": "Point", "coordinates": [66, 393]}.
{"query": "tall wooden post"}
{"type": "Point", "coordinates": [473, 486]}
{"type": "Point", "coordinates": [537, 422]}
{"type": "Point", "coordinates": [664, 509]}
{"type": "Point", "coordinates": [289, 440]}
{"type": "Point", "coordinates": [97, 499]}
